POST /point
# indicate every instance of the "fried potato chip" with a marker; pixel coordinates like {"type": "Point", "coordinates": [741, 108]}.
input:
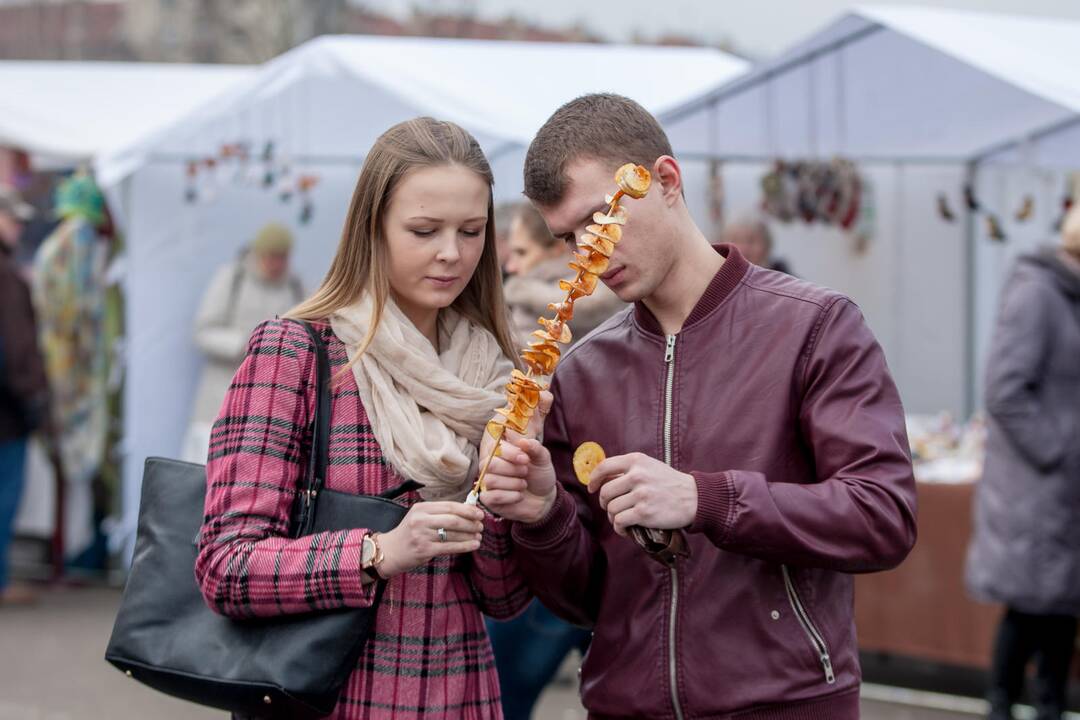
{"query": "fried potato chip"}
{"type": "Point", "coordinates": [564, 310]}
{"type": "Point", "coordinates": [587, 280]}
{"type": "Point", "coordinates": [558, 330]}
{"type": "Point", "coordinates": [495, 429]}
{"type": "Point", "coordinates": [539, 362]}
{"type": "Point", "coordinates": [574, 290]}
{"type": "Point", "coordinates": [562, 338]}
{"type": "Point", "coordinates": [519, 378]}
{"type": "Point", "coordinates": [599, 245]}
{"type": "Point", "coordinates": [586, 458]}
{"type": "Point", "coordinates": [515, 420]}
{"type": "Point", "coordinates": [634, 180]}
{"type": "Point", "coordinates": [529, 397]}
{"type": "Point", "coordinates": [616, 217]}
{"type": "Point", "coordinates": [608, 232]}
{"type": "Point", "coordinates": [591, 261]}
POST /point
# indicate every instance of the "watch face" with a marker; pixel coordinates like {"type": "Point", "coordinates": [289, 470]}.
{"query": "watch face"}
{"type": "Point", "coordinates": [367, 552]}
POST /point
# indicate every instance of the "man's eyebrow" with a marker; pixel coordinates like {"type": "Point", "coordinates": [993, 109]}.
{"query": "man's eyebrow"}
{"type": "Point", "coordinates": [585, 220]}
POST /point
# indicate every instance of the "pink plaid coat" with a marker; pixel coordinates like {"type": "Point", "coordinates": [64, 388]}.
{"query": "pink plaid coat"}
{"type": "Point", "coordinates": [428, 654]}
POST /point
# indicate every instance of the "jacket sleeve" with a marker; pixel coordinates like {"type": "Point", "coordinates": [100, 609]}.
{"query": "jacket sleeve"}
{"type": "Point", "coordinates": [496, 581]}
{"type": "Point", "coordinates": [247, 565]}
{"type": "Point", "coordinates": [1014, 372]}
{"type": "Point", "coordinates": [215, 334]}
{"type": "Point", "coordinates": [561, 560]}
{"type": "Point", "coordinates": [22, 363]}
{"type": "Point", "coordinates": [858, 513]}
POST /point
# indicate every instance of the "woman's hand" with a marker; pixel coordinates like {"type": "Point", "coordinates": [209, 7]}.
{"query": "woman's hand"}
{"type": "Point", "coordinates": [415, 541]}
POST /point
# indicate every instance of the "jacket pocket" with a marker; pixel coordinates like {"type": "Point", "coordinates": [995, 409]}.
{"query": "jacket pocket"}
{"type": "Point", "coordinates": [817, 640]}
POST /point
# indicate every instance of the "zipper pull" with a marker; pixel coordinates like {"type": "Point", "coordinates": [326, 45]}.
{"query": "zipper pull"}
{"type": "Point", "coordinates": [826, 662]}
{"type": "Point", "coordinates": [669, 354]}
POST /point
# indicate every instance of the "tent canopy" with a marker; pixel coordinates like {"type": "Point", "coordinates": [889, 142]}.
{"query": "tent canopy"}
{"type": "Point", "coordinates": [331, 97]}
{"type": "Point", "coordinates": [898, 82]}
{"type": "Point", "coordinates": [68, 112]}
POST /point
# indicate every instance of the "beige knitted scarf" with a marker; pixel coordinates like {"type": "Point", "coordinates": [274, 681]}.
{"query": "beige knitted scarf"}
{"type": "Point", "coordinates": [427, 410]}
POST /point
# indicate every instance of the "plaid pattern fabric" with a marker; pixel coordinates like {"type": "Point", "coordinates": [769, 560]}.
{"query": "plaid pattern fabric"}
{"type": "Point", "coordinates": [429, 654]}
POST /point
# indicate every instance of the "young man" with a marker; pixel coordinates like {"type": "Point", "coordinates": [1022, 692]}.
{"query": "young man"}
{"type": "Point", "coordinates": [750, 412]}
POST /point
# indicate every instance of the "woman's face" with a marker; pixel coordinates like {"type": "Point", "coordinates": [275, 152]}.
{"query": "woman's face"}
{"type": "Point", "coordinates": [525, 252]}
{"type": "Point", "coordinates": [434, 229]}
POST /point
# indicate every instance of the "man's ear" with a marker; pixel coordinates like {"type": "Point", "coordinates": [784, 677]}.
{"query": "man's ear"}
{"type": "Point", "coordinates": [667, 178]}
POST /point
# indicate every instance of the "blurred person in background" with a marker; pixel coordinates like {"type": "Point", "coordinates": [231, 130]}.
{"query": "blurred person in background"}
{"type": "Point", "coordinates": [750, 233]}
{"type": "Point", "coordinates": [23, 388]}
{"type": "Point", "coordinates": [255, 287]}
{"type": "Point", "coordinates": [504, 216]}
{"type": "Point", "coordinates": [536, 263]}
{"type": "Point", "coordinates": [69, 288]}
{"type": "Point", "coordinates": [1025, 550]}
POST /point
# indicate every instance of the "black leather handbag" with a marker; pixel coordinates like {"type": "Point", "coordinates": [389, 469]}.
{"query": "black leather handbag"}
{"type": "Point", "coordinates": [165, 636]}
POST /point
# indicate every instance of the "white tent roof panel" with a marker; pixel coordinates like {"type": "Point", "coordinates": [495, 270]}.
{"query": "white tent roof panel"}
{"type": "Point", "coordinates": [894, 83]}
{"type": "Point", "coordinates": [501, 91]}
{"type": "Point", "coordinates": [73, 111]}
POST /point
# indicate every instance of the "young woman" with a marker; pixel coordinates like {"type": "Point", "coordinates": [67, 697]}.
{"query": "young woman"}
{"type": "Point", "coordinates": [412, 314]}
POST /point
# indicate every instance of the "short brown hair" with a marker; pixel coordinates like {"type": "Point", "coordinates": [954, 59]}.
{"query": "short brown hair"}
{"type": "Point", "coordinates": [603, 126]}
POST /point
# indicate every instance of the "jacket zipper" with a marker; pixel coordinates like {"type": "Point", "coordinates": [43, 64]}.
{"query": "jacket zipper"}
{"type": "Point", "coordinates": [669, 361]}
{"type": "Point", "coordinates": [803, 617]}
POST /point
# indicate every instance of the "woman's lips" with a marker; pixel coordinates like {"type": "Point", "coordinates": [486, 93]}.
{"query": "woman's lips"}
{"type": "Point", "coordinates": [443, 281]}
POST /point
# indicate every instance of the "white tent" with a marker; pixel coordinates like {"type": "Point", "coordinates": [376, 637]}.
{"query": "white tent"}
{"type": "Point", "coordinates": [925, 100]}
{"type": "Point", "coordinates": [322, 105]}
{"type": "Point", "coordinates": [64, 113]}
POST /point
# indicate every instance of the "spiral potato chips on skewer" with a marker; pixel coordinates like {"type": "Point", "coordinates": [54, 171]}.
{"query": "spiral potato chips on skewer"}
{"type": "Point", "coordinates": [542, 355]}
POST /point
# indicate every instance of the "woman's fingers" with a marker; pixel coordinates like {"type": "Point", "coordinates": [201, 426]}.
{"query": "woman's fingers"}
{"type": "Point", "coordinates": [453, 522]}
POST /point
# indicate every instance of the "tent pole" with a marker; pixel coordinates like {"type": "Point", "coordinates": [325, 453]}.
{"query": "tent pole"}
{"type": "Point", "coordinates": [970, 172]}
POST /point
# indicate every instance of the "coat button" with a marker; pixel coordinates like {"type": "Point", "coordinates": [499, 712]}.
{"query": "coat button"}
{"type": "Point", "coordinates": [775, 614]}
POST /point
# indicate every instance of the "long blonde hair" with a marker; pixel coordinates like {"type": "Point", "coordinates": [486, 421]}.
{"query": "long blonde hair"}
{"type": "Point", "coordinates": [361, 261]}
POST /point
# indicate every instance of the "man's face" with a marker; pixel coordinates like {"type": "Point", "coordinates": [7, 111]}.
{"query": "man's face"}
{"type": "Point", "coordinates": [10, 229]}
{"type": "Point", "coordinates": [639, 262]}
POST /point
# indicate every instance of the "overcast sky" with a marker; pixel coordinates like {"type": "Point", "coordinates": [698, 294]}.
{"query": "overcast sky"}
{"type": "Point", "coordinates": [758, 27]}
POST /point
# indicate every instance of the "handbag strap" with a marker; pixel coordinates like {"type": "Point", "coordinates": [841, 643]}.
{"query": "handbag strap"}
{"type": "Point", "coordinates": [315, 477]}
{"type": "Point", "coordinates": [318, 460]}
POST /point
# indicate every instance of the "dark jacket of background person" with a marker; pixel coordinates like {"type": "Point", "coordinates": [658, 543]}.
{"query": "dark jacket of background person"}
{"type": "Point", "coordinates": [1026, 546]}
{"type": "Point", "coordinates": [528, 296]}
{"type": "Point", "coordinates": [22, 371]}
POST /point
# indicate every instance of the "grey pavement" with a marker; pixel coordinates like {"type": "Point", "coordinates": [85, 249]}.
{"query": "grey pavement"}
{"type": "Point", "coordinates": [52, 668]}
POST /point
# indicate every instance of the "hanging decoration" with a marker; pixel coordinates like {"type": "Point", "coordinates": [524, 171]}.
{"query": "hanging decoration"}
{"type": "Point", "coordinates": [995, 230]}
{"type": "Point", "coordinates": [1027, 209]}
{"type": "Point", "coordinates": [831, 193]}
{"type": "Point", "coordinates": [944, 211]}
{"type": "Point", "coordinates": [234, 164]}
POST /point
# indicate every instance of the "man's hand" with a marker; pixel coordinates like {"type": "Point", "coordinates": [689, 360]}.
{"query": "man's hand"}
{"type": "Point", "coordinates": [520, 483]}
{"type": "Point", "coordinates": [636, 489]}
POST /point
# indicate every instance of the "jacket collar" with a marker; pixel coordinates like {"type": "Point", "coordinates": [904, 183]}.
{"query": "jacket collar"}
{"type": "Point", "coordinates": [722, 285]}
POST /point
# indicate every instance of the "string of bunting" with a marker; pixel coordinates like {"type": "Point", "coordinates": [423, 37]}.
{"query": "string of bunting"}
{"type": "Point", "coordinates": [236, 164]}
